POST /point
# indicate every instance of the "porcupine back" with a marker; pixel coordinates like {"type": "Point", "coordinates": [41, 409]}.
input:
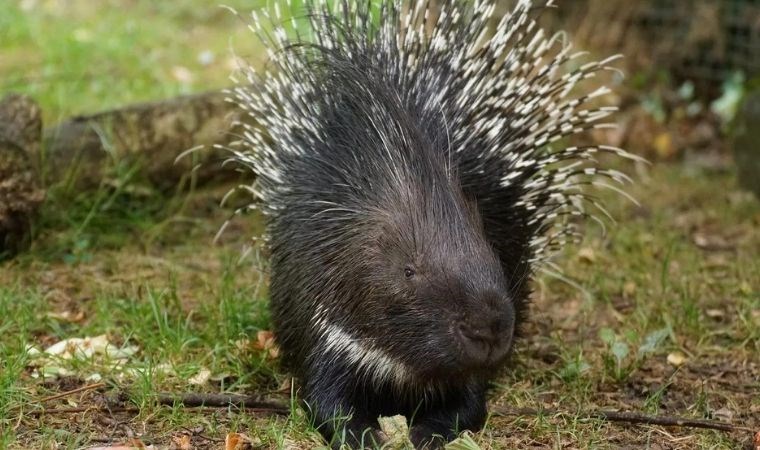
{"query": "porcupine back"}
{"type": "Point", "coordinates": [337, 107]}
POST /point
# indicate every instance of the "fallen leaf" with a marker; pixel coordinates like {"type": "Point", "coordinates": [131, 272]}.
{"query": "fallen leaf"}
{"type": "Point", "coordinates": [182, 74]}
{"type": "Point", "coordinates": [264, 340]}
{"type": "Point", "coordinates": [181, 442]}
{"type": "Point", "coordinates": [49, 363]}
{"type": "Point", "coordinates": [78, 347]}
{"type": "Point", "coordinates": [117, 447]}
{"type": "Point", "coordinates": [66, 316]}
{"type": "Point", "coordinates": [463, 442]}
{"type": "Point", "coordinates": [94, 377]}
{"type": "Point", "coordinates": [237, 441]}
{"type": "Point", "coordinates": [676, 359]}
{"type": "Point", "coordinates": [724, 414]}
{"type": "Point", "coordinates": [715, 313]}
{"type": "Point", "coordinates": [289, 444]}
{"type": "Point", "coordinates": [663, 145]}
{"type": "Point", "coordinates": [286, 385]}
{"type": "Point", "coordinates": [587, 255]}
{"type": "Point", "coordinates": [200, 378]}
{"type": "Point", "coordinates": [396, 430]}
{"type": "Point", "coordinates": [132, 444]}
{"type": "Point", "coordinates": [756, 441]}
{"type": "Point", "coordinates": [629, 289]}
{"type": "Point", "coordinates": [711, 242]}
{"type": "Point", "coordinates": [85, 348]}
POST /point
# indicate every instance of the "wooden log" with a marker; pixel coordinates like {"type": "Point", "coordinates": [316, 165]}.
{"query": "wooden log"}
{"type": "Point", "coordinates": [20, 192]}
{"type": "Point", "coordinates": [82, 151]}
{"type": "Point", "coordinates": [151, 135]}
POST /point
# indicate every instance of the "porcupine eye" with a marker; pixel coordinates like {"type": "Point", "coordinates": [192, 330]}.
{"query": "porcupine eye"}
{"type": "Point", "coordinates": [408, 272]}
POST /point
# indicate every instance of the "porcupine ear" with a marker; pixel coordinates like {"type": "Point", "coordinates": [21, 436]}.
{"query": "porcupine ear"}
{"type": "Point", "coordinates": [526, 96]}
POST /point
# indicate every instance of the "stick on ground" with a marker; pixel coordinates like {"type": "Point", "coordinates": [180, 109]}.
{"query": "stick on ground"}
{"type": "Point", "coordinates": [629, 417]}
{"type": "Point", "coordinates": [224, 401]}
{"type": "Point", "coordinates": [259, 404]}
{"type": "Point", "coordinates": [88, 387]}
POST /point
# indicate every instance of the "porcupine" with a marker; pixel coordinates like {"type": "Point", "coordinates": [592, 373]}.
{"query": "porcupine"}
{"type": "Point", "coordinates": [410, 165]}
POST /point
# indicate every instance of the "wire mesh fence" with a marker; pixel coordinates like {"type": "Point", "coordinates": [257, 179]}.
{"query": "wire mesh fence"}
{"type": "Point", "coordinates": [704, 41]}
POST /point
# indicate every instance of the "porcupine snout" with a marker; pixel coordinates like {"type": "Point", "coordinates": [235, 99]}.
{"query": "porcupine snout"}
{"type": "Point", "coordinates": [486, 336]}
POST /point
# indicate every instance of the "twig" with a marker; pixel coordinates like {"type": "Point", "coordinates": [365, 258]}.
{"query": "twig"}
{"type": "Point", "coordinates": [616, 416]}
{"type": "Point", "coordinates": [82, 409]}
{"type": "Point", "coordinates": [191, 400]}
{"type": "Point", "coordinates": [257, 404]}
{"type": "Point", "coordinates": [201, 435]}
{"type": "Point", "coordinates": [88, 387]}
{"type": "Point", "coordinates": [105, 409]}
{"type": "Point", "coordinates": [223, 401]}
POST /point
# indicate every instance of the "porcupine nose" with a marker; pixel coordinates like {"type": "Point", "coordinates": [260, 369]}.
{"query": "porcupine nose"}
{"type": "Point", "coordinates": [486, 339]}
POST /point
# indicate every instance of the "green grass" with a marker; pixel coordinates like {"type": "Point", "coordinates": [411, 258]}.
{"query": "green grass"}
{"type": "Point", "coordinates": [189, 306]}
{"type": "Point", "coordinates": [140, 267]}
{"type": "Point", "coordinates": [79, 57]}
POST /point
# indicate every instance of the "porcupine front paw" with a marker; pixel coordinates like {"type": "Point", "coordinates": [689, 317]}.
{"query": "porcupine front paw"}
{"type": "Point", "coordinates": [425, 438]}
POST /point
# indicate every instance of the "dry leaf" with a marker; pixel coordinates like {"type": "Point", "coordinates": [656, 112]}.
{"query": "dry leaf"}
{"type": "Point", "coordinates": [48, 363]}
{"type": "Point", "coordinates": [265, 341]}
{"type": "Point", "coordinates": [715, 313]}
{"type": "Point", "coordinates": [463, 442]}
{"type": "Point", "coordinates": [86, 347]}
{"type": "Point", "coordinates": [396, 430]}
{"type": "Point", "coordinates": [286, 385]}
{"type": "Point", "coordinates": [181, 442]}
{"type": "Point", "coordinates": [182, 74]}
{"type": "Point", "coordinates": [289, 444]}
{"type": "Point", "coordinates": [131, 444]}
{"type": "Point", "coordinates": [66, 316]}
{"type": "Point", "coordinates": [117, 447]}
{"type": "Point", "coordinates": [200, 378]}
{"type": "Point", "coordinates": [237, 441]}
{"type": "Point", "coordinates": [243, 344]}
{"type": "Point", "coordinates": [676, 359]}
{"type": "Point", "coordinates": [724, 414]}
{"type": "Point", "coordinates": [587, 255]}
{"type": "Point", "coordinates": [663, 146]}
{"type": "Point", "coordinates": [629, 289]}
{"type": "Point", "coordinates": [711, 242]}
